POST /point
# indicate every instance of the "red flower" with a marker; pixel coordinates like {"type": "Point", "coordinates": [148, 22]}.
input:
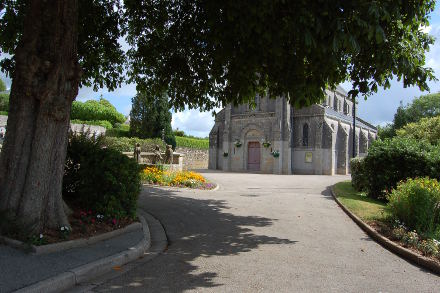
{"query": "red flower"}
{"type": "Point", "coordinates": [114, 221]}
{"type": "Point", "coordinates": [93, 220]}
{"type": "Point", "coordinates": [90, 212]}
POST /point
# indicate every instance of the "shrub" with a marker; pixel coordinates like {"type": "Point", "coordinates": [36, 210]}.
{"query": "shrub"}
{"type": "Point", "coordinates": [4, 102]}
{"type": "Point", "coordinates": [178, 132]}
{"type": "Point", "coordinates": [392, 160]}
{"type": "Point", "coordinates": [429, 247]}
{"type": "Point", "coordinates": [416, 203]}
{"type": "Point", "coordinates": [103, 123]}
{"type": "Point", "coordinates": [101, 180]}
{"type": "Point", "coordinates": [194, 143]}
{"type": "Point", "coordinates": [94, 110]}
{"type": "Point", "coordinates": [125, 144]}
{"type": "Point", "coordinates": [411, 239]}
{"type": "Point", "coordinates": [427, 129]}
{"type": "Point", "coordinates": [358, 177]}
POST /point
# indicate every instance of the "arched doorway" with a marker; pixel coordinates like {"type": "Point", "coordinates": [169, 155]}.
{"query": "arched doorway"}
{"type": "Point", "coordinates": [254, 156]}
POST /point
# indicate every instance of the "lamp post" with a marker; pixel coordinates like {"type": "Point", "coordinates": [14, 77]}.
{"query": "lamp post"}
{"type": "Point", "coordinates": [354, 127]}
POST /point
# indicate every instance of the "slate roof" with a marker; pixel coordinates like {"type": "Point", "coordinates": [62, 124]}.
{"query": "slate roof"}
{"type": "Point", "coordinates": [338, 115]}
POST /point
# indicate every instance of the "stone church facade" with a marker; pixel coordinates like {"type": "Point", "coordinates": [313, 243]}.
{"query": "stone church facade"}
{"type": "Point", "coordinates": [273, 137]}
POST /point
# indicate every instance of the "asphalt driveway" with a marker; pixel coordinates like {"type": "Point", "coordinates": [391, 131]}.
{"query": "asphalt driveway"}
{"type": "Point", "coordinates": [265, 233]}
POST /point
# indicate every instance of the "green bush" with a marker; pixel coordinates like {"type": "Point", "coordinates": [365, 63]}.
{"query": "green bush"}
{"type": "Point", "coordinates": [4, 102]}
{"type": "Point", "coordinates": [426, 129]}
{"type": "Point", "coordinates": [94, 110]}
{"type": "Point", "coordinates": [101, 180]}
{"type": "Point", "coordinates": [103, 123]}
{"type": "Point", "coordinates": [416, 203]}
{"type": "Point", "coordinates": [392, 160]}
{"type": "Point", "coordinates": [125, 144]}
{"type": "Point", "coordinates": [178, 132]}
{"type": "Point", "coordinates": [120, 130]}
{"type": "Point", "coordinates": [4, 113]}
{"type": "Point", "coordinates": [358, 177]}
{"type": "Point", "coordinates": [194, 143]}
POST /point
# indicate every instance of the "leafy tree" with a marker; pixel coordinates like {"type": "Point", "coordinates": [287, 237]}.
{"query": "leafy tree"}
{"type": "Point", "coordinates": [424, 106]}
{"type": "Point", "coordinates": [202, 53]}
{"type": "Point", "coordinates": [2, 86]}
{"type": "Point", "coordinates": [150, 117]}
{"type": "Point", "coordinates": [386, 131]}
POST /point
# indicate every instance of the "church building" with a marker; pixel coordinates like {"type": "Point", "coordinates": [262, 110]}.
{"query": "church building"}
{"type": "Point", "coordinates": [274, 137]}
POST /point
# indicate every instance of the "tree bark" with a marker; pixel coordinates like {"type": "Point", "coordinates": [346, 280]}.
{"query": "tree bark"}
{"type": "Point", "coordinates": [45, 82]}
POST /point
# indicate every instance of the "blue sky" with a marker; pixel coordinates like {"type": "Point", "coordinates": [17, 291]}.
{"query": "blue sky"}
{"type": "Point", "coordinates": [377, 109]}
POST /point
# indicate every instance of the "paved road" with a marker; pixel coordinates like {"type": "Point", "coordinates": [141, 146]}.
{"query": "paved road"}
{"type": "Point", "coordinates": [265, 233]}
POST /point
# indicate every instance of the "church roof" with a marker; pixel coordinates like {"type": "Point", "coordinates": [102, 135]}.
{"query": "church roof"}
{"type": "Point", "coordinates": [341, 116]}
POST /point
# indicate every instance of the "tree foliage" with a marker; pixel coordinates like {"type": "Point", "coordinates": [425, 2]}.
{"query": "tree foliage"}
{"type": "Point", "coordinates": [204, 53]}
{"type": "Point", "coordinates": [424, 106]}
{"type": "Point", "coordinates": [150, 117]}
{"type": "Point", "coordinates": [426, 129]}
{"type": "Point", "coordinates": [2, 85]}
{"type": "Point", "coordinates": [96, 110]}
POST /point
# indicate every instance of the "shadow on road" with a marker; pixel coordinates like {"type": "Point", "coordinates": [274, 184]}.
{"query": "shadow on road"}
{"type": "Point", "coordinates": [196, 228]}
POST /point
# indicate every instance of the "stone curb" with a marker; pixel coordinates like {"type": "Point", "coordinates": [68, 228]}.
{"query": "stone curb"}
{"type": "Point", "coordinates": [49, 248]}
{"type": "Point", "coordinates": [88, 271]}
{"type": "Point", "coordinates": [390, 245]}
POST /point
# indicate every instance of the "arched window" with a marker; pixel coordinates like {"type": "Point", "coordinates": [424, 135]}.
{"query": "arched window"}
{"type": "Point", "coordinates": [335, 103]}
{"type": "Point", "coordinates": [305, 134]}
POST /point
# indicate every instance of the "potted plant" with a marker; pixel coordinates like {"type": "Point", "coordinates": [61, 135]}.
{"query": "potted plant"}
{"type": "Point", "coordinates": [238, 143]}
{"type": "Point", "coordinates": [266, 144]}
{"type": "Point", "coordinates": [275, 154]}
{"type": "Point", "coordinates": [225, 154]}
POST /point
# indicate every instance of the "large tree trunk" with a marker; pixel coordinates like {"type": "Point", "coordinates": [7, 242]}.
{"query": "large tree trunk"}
{"type": "Point", "coordinates": [45, 82]}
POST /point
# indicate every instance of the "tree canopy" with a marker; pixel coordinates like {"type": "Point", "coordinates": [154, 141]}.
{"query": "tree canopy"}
{"type": "Point", "coordinates": [426, 129]}
{"type": "Point", "coordinates": [203, 53]}
{"type": "Point", "coordinates": [150, 117]}
{"type": "Point", "coordinates": [425, 106]}
{"type": "Point", "coordinates": [2, 85]}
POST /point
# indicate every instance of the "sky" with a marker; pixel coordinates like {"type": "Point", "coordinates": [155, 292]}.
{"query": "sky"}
{"type": "Point", "coordinates": [378, 109]}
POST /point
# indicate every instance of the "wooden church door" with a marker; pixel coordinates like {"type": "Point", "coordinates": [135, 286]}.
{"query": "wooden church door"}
{"type": "Point", "coordinates": [254, 156]}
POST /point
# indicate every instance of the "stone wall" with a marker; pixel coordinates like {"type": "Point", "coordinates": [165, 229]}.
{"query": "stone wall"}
{"type": "Point", "coordinates": [193, 158]}
{"type": "Point", "coordinates": [3, 120]}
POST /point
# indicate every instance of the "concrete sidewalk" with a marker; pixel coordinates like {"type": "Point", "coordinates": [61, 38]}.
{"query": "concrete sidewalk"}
{"type": "Point", "coordinates": [19, 269]}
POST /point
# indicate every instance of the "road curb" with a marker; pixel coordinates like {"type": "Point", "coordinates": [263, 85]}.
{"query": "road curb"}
{"type": "Point", "coordinates": [91, 270]}
{"type": "Point", "coordinates": [388, 244]}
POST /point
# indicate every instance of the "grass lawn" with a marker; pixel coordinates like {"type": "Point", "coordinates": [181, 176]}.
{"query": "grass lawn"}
{"type": "Point", "coordinates": [358, 203]}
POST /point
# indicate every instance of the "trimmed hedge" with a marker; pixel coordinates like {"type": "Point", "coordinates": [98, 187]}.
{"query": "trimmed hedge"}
{"type": "Point", "coordinates": [94, 110]}
{"type": "Point", "coordinates": [103, 123]}
{"type": "Point", "coordinates": [416, 204]}
{"type": "Point", "coordinates": [102, 180]}
{"type": "Point", "coordinates": [125, 144]}
{"type": "Point", "coordinates": [194, 143]}
{"type": "Point", "coordinates": [392, 160]}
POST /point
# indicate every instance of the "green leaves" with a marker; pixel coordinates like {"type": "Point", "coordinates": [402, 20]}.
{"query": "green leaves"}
{"type": "Point", "coordinates": [207, 53]}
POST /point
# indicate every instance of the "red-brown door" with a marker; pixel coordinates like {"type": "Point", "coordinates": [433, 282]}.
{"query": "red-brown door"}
{"type": "Point", "coordinates": [254, 156]}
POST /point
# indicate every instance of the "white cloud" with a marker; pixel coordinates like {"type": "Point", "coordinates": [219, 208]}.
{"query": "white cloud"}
{"type": "Point", "coordinates": [193, 122]}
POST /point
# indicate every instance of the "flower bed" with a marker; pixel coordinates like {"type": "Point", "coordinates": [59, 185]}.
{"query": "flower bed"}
{"type": "Point", "coordinates": [156, 175]}
{"type": "Point", "coordinates": [381, 217]}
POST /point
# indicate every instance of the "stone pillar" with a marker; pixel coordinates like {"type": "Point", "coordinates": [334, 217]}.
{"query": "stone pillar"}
{"type": "Point", "coordinates": [342, 150]}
